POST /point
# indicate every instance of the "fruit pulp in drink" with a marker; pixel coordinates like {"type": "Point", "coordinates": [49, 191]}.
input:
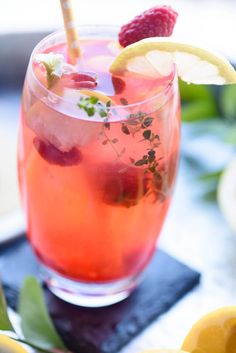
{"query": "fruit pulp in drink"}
{"type": "Point", "coordinates": [96, 191]}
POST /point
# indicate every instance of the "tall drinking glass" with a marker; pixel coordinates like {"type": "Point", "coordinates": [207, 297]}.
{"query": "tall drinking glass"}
{"type": "Point", "coordinates": [97, 166]}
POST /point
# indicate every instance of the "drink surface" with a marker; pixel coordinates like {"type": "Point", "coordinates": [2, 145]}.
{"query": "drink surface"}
{"type": "Point", "coordinates": [96, 190]}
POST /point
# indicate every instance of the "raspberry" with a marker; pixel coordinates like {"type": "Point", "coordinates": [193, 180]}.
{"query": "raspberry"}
{"type": "Point", "coordinates": [53, 156]}
{"type": "Point", "coordinates": [118, 84]}
{"type": "Point", "coordinates": [156, 22]}
{"type": "Point", "coordinates": [80, 80]}
{"type": "Point", "coordinates": [121, 185]}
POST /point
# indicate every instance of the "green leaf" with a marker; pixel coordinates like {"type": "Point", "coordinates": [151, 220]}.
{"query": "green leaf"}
{"type": "Point", "coordinates": [90, 110]}
{"type": "Point", "coordinates": [125, 129]}
{"type": "Point", "coordinates": [37, 348]}
{"type": "Point", "coordinates": [211, 176]}
{"type": "Point", "coordinates": [147, 134]}
{"type": "Point", "coordinates": [36, 324]}
{"type": "Point", "coordinates": [93, 100]}
{"type": "Point", "coordinates": [198, 110]}
{"type": "Point", "coordinates": [5, 323]}
{"type": "Point", "coordinates": [191, 92]}
{"type": "Point", "coordinates": [231, 136]}
{"type": "Point", "coordinates": [140, 162]}
{"type": "Point", "coordinates": [147, 122]}
{"type": "Point", "coordinates": [123, 101]}
{"type": "Point", "coordinates": [210, 196]}
{"type": "Point", "coordinates": [228, 101]}
{"type": "Point", "coordinates": [102, 113]}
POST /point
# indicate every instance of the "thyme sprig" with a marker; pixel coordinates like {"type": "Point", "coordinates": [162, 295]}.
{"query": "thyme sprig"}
{"type": "Point", "coordinates": [92, 105]}
{"type": "Point", "coordinates": [139, 122]}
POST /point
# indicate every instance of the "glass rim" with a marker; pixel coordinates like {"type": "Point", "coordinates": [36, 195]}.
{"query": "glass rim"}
{"type": "Point", "coordinates": [61, 33]}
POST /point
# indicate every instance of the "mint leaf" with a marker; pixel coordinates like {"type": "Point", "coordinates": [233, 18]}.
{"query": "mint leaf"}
{"type": "Point", "coordinates": [5, 323]}
{"type": "Point", "coordinates": [36, 325]}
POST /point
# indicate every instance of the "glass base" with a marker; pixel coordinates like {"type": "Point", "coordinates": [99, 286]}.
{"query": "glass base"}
{"type": "Point", "coordinates": [91, 295]}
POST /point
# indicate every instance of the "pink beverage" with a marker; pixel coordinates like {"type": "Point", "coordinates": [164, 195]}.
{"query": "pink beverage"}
{"type": "Point", "coordinates": [98, 156]}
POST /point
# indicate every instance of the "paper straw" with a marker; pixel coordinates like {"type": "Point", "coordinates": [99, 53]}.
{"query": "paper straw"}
{"type": "Point", "coordinates": [71, 33]}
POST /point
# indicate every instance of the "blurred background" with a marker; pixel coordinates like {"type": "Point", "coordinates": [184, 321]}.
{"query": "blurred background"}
{"type": "Point", "coordinates": [195, 231]}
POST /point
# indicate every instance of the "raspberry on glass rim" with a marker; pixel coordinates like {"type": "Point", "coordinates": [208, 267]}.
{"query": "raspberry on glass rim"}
{"type": "Point", "coordinates": [159, 21]}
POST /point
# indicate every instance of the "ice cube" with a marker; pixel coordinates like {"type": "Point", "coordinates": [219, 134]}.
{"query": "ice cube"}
{"type": "Point", "coordinates": [62, 131]}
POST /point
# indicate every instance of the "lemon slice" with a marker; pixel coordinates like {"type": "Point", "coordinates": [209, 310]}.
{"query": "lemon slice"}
{"type": "Point", "coordinates": [8, 345]}
{"type": "Point", "coordinates": [164, 350]}
{"type": "Point", "coordinates": [214, 333]}
{"type": "Point", "coordinates": [102, 97]}
{"type": "Point", "coordinates": [154, 57]}
{"type": "Point", "coordinates": [227, 195]}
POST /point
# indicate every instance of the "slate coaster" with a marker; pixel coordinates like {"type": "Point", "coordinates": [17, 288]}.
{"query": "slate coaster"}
{"type": "Point", "coordinates": [102, 330]}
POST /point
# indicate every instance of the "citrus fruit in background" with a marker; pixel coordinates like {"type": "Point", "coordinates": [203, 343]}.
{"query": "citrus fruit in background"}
{"type": "Point", "coordinates": [213, 333]}
{"type": "Point", "coordinates": [155, 57]}
{"type": "Point", "coordinates": [8, 345]}
{"type": "Point", "coordinates": [164, 350]}
{"type": "Point", "coordinates": [227, 194]}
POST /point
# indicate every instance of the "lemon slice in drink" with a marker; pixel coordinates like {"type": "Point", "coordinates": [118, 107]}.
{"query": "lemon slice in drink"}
{"type": "Point", "coordinates": [227, 195]}
{"type": "Point", "coordinates": [214, 333]}
{"type": "Point", "coordinates": [99, 95]}
{"type": "Point", "coordinates": [8, 345]}
{"type": "Point", "coordinates": [154, 57]}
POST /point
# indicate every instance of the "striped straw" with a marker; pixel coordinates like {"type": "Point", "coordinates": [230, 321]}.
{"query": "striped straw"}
{"type": "Point", "coordinates": [71, 33]}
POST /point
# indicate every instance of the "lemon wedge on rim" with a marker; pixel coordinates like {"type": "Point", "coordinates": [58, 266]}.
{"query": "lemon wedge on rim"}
{"type": "Point", "coordinates": [154, 57]}
{"type": "Point", "coordinates": [226, 195]}
{"type": "Point", "coordinates": [213, 333]}
{"type": "Point", "coordinates": [8, 345]}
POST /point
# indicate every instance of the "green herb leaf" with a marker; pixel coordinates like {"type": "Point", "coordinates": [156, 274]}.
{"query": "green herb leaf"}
{"type": "Point", "coordinates": [124, 101]}
{"type": "Point", "coordinates": [228, 101]}
{"type": "Point", "coordinates": [140, 162]}
{"type": "Point", "coordinates": [147, 122]}
{"type": "Point", "coordinates": [37, 348]}
{"type": "Point", "coordinates": [198, 110]}
{"type": "Point", "coordinates": [147, 134]}
{"type": "Point", "coordinates": [107, 126]}
{"type": "Point", "coordinates": [102, 113]}
{"type": "Point", "coordinates": [211, 176]}
{"type": "Point", "coordinates": [36, 324]}
{"type": "Point", "coordinates": [132, 122]}
{"type": "Point", "coordinates": [5, 323]}
{"type": "Point", "coordinates": [151, 153]}
{"type": "Point", "coordinates": [93, 100]}
{"type": "Point", "coordinates": [125, 129]}
{"type": "Point", "coordinates": [191, 92]}
{"type": "Point", "coordinates": [231, 136]}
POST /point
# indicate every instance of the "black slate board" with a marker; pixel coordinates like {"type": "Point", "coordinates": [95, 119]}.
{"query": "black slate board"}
{"type": "Point", "coordinates": [102, 330]}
